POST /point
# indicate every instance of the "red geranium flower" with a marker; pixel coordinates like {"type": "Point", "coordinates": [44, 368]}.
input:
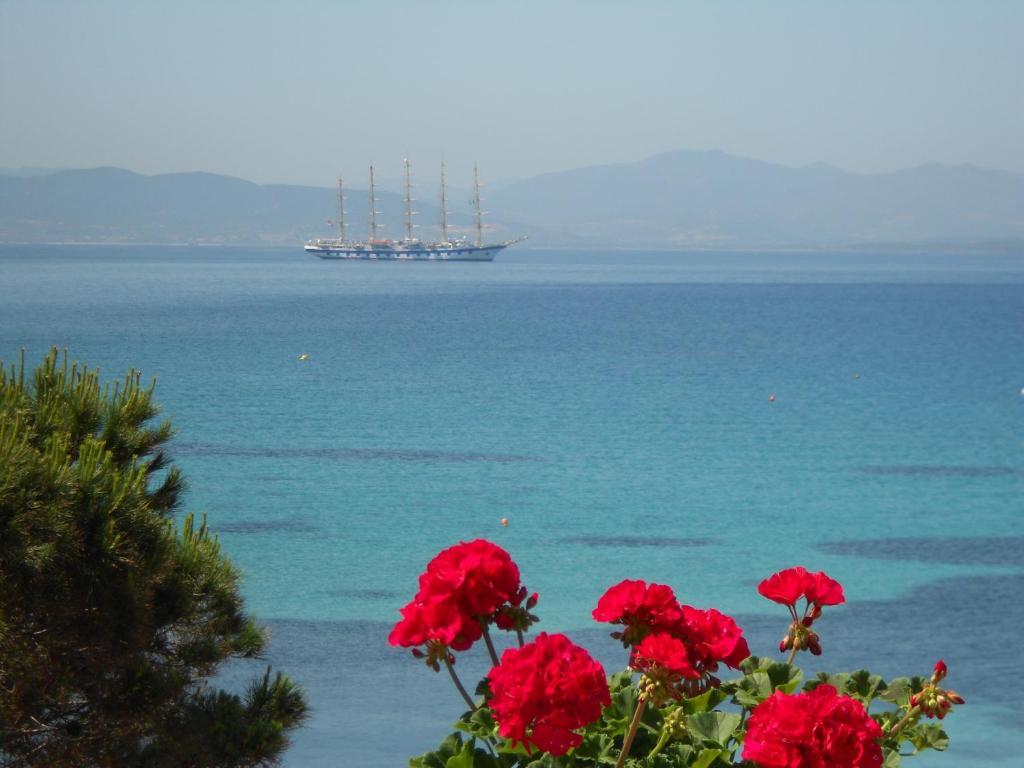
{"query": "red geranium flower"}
{"type": "Point", "coordinates": [642, 608]}
{"type": "Point", "coordinates": [785, 587]}
{"type": "Point", "coordinates": [823, 590]}
{"type": "Point", "coordinates": [819, 729]}
{"type": "Point", "coordinates": [662, 655]}
{"type": "Point", "coordinates": [545, 691]}
{"type": "Point", "coordinates": [460, 592]}
{"type": "Point", "coordinates": [478, 575]}
{"type": "Point", "coordinates": [713, 638]}
{"type": "Point", "coordinates": [437, 621]}
{"type": "Point", "coordinates": [788, 586]}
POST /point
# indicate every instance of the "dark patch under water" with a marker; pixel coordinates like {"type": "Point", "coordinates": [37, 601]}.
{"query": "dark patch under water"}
{"type": "Point", "coordinates": [332, 659]}
{"type": "Point", "coordinates": [265, 526]}
{"type": "Point", "coordinates": [637, 541]}
{"type": "Point", "coordinates": [940, 470]}
{"type": "Point", "coordinates": [364, 594]}
{"type": "Point", "coordinates": [345, 454]}
{"type": "Point", "coordinates": [970, 550]}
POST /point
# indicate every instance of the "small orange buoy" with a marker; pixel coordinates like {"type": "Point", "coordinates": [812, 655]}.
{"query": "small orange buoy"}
{"type": "Point", "coordinates": [504, 522]}
{"type": "Point", "coordinates": [771, 398]}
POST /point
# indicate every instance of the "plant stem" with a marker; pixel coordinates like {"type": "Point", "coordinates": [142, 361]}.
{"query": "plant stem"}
{"type": "Point", "coordinates": [666, 734]}
{"type": "Point", "coordinates": [519, 634]}
{"type": "Point", "coordinates": [459, 686]}
{"type": "Point", "coordinates": [911, 714]}
{"type": "Point", "coordinates": [631, 734]}
{"type": "Point", "coordinates": [490, 646]}
{"type": "Point", "coordinates": [792, 655]}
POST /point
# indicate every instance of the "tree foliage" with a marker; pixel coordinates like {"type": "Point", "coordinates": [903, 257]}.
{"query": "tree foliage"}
{"type": "Point", "coordinates": [112, 616]}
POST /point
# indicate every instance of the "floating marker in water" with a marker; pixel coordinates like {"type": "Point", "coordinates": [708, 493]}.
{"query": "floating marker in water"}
{"type": "Point", "coordinates": [771, 398]}
{"type": "Point", "coordinates": [504, 522]}
{"type": "Point", "coordinates": [303, 356]}
{"type": "Point", "coordinates": [856, 375]}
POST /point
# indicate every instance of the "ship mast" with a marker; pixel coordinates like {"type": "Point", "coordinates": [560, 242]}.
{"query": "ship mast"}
{"type": "Point", "coordinates": [409, 212]}
{"type": "Point", "coordinates": [373, 209]}
{"type": "Point", "coordinates": [341, 211]}
{"type": "Point", "coordinates": [476, 204]}
{"type": "Point", "coordinates": [444, 213]}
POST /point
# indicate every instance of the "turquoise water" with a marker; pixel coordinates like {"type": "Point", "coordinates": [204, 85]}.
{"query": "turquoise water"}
{"type": "Point", "coordinates": [615, 408]}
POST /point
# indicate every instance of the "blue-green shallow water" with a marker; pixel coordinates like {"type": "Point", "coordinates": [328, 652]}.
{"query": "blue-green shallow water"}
{"type": "Point", "coordinates": [615, 408]}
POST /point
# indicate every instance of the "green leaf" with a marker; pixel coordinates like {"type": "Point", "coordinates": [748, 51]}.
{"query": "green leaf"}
{"type": "Point", "coordinates": [716, 728]}
{"type": "Point", "coordinates": [623, 696]}
{"type": "Point", "coordinates": [707, 701]}
{"type": "Point", "coordinates": [784, 677]}
{"type": "Point", "coordinates": [464, 759]}
{"type": "Point", "coordinates": [479, 723]}
{"type": "Point", "coordinates": [707, 757]}
{"type": "Point", "coordinates": [451, 746]}
{"type": "Point", "coordinates": [865, 686]}
{"type": "Point", "coordinates": [598, 747]}
{"type": "Point", "coordinates": [930, 736]}
{"type": "Point", "coordinates": [901, 689]}
{"type": "Point", "coordinates": [543, 761]}
{"type": "Point", "coordinates": [763, 678]}
{"type": "Point", "coordinates": [892, 759]}
{"type": "Point", "coordinates": [675, 754]}
{"type": "Point", "coordinates": [837, 680]}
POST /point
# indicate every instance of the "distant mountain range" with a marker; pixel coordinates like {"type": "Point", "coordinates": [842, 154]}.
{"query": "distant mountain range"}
{"type": "Point", "coordinates": [673, 200]}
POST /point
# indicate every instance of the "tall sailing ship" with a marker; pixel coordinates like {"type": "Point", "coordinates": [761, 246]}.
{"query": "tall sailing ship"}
{"type": "Point", "coordinates": [409, 248]}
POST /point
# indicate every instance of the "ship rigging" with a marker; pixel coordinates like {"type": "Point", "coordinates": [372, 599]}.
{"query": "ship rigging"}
{"type": "Point", "coordinates": [409, 248]}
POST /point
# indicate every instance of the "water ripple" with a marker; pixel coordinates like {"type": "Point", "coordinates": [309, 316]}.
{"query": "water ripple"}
{"type": "Point", "coordinates": [346, 454]}
{"type": "Point", "coordinates": [940, 470]}
{"type": "Point", "coordinates": [265, 526]}
{"type": "Point", "coordinates": [637, 541]}
{"type": "Point", "coordinates": [969, 550]}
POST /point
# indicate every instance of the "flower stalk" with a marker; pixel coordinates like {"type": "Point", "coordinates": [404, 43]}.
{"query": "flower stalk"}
{"type": "Point", "coordinates": [912, 713]}
{"type": "Point", "coordinates": [490, 645]}
{"type": "Point", "coordinates": [662, 741]}
{"type": "Point", "coordinates": [634, 724]}
{"type": "Point", "coordinates": [458, 684]}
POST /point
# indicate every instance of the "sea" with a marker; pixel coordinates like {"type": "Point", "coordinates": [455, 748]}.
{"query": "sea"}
{"type": "Point", "coordinates": [698, 419]}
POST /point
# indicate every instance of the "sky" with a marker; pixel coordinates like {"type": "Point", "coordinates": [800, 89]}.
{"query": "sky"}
{"type": "Point", "coordinates": [296, 92]}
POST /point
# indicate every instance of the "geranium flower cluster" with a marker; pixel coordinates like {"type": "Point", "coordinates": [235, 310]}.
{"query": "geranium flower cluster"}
{"type": "Point", "coordinates": [818, 589]}
{"type": "Point", "coordinates": [550, 695]}
{"type": "Point", "coordinates": [463, 589]}
{"type": "Point", "coordinates": [933, 701]}
{"type": "Point", "coordinates": [820, 729]}
{"type": "Point", "coordinates": [546, 690]}
{"type": "Point", "coordinates": [670, 642]}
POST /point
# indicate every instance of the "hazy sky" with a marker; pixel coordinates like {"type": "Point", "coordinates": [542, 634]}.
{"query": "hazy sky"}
{"type": "Point", "coordinates": [296, 91]}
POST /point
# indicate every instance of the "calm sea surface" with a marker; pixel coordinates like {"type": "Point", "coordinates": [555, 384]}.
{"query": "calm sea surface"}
{"type": "Point", "coordinates": [615, 408]}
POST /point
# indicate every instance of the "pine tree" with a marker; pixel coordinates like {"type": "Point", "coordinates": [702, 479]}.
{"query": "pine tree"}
{"type": "Point", "coordinates": [112, 615]}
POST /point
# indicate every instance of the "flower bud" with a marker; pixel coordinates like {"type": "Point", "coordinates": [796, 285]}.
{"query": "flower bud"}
{"type": "Point", "coordinates": [940, 672]}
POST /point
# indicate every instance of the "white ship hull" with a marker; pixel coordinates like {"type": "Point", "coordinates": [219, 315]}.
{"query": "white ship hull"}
{"type": "Point", "coordinates": [327, 250]}
{"type": "Point", "coordinates": [409, 248]}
